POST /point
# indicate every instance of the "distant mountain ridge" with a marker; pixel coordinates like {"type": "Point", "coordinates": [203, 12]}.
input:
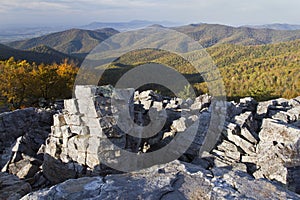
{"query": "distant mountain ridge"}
{"type": "Point", "coordinates": [73, 41]}
{"type": "Point", "coordinates": [9, 33]}
{"type": "Point", "coordinates": [276, 26]}
{"type": "Point", "coordinates": [78, 42]}
{"type": "Point", "coordinates": [213, 34]}
{"type": "Point", "coordinates": [123, 26]}
{"type": "Point", "coordinates": [39, 54]}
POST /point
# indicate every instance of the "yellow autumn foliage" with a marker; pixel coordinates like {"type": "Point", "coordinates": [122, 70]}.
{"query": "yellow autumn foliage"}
{"type": "Point", "coordinates": [22, 83]}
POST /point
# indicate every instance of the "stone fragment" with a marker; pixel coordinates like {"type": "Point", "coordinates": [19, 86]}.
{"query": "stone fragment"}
{"type": "Point", "coordinates": [249, 136]}
{"type": "Point", "coordinates": [179, 125]}
{"type": "Point", "coordinates": [71, 106]}
{"type": "Point", "coordinates": [246, 146]}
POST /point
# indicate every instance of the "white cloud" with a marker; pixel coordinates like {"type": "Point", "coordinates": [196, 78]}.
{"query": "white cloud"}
{"type": "Point", "coordinates": [221, 11]}
{"type": "Point", "coordinates": [33, 5]}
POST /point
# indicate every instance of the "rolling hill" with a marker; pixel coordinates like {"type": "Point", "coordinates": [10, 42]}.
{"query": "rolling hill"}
{"type": "Point", "coordinates": [79, 42]}
{"type": "Point", "coordinates": [212, 34]}
{"type": "Point", "coordinates": [39, 54]}
{"type": "Point", "coordinates": [73, 42]}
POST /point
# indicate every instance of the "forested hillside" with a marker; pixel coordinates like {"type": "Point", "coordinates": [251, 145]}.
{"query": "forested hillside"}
{"type": "Point", "coordinates": [74, 41]}
{"type": "Point", "coordinates": [39, 54]}
{"type": "Point", "coordinates": [80, 42]}
{"type": "Point", "coordinates": [212, 34]}
{"type": "Point", "coordinates": [261, 71]}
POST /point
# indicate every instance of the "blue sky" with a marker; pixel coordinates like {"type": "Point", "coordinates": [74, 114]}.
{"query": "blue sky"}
{"type": "Point", "coordinates": [80, 12]}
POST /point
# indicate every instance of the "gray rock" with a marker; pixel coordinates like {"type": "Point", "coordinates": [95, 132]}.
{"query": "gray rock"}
{"type": "Point", "coordinates": [290, 116]}
{"type": "Point", "coordinates": [201, 102]}
{"type": "Point", "coordinates": [248, 188]}
{"type": "Point", "coordinates": [295, 102]}
{"type": "Point", "coordinates": [248, 104]}
{"type": "Point", "coordinates": [179, 125]}
{"type": "Point", "coordinates": [263, 108]}
{"type": "Point", "coordinates": [12, 188]}
{"type": "Point", "coordinates": [248, 135]}
{"type": "Point", "coordinates": [146, 104]}
{"type": "Point", "coordinates": [262, 139]}
{"type": "Point", "coordinates": [174, 180]}
{"type": "Point", "coordinates": [278, 151]}
{"type": "Point", "coordinates": [24, 132]}
{"type": "Point", "coordinates": [230, 150]}
{"type": "Point", "coordinates": [25, 168]}
{"type": "Point", "coordinates": [246, 146]}
{"type": "Point", "coordinates": [56, 171]}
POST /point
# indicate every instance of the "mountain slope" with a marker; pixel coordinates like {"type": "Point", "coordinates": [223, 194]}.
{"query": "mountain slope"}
{"type": "Point", "coordinates": [263, 71]}
{"type": "Point", "coordinates": [212, 34]}
{"type": "Point", "coordinates": [73, 41]}
{"type": "Point", "coordinates": [260, 71]}
{"type": "Point", "coordinates": [40, 54]}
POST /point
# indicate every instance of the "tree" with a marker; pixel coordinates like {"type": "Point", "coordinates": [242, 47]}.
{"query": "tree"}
{"type": "Point", "coordinates": [23, 84]}
{"type": "Point", "coordinates": [15, 80]}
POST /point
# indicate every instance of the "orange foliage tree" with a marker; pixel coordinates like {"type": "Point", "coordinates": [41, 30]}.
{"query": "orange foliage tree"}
{"type": "Point", "coordinates": [22, 84]}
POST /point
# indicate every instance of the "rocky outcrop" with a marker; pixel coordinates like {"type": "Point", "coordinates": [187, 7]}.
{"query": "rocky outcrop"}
{"type": "Point", "coordinates": [89, 129]}
{"type": "Point", "coordinates": [258, 147]}
{"type": "Point", "coordinates": [81, 133]}
{"type": "Point", "coordinates": [278, 153]}
{"type": "Point", "coordinates": [265, 138]}
{"type": "Point", "coordinates": [12, 188]}
{"type": "Point", "coordinates": [174, 180]}
{"type": "Point", "coordinates": [22, 139]}
{"type": "Point", "coordinates": [77, 136]}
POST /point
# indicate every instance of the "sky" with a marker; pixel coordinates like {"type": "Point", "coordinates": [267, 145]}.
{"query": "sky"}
{"type": "Point", "coordinates": [81, 12]}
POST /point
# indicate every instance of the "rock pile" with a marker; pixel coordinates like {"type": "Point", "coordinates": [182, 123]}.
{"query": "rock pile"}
{"type": "Point", "coordinates": [88, 128]}
{"type": "Point", "coordinates": [257, 149]}
{"type": "Point", "coordinates": [22, 140]}
{"type": "Point", "coordinates": [263, 139]}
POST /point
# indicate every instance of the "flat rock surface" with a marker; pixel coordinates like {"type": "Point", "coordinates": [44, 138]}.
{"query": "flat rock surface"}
{"type": "Point", "coordinates": [174, 180]}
